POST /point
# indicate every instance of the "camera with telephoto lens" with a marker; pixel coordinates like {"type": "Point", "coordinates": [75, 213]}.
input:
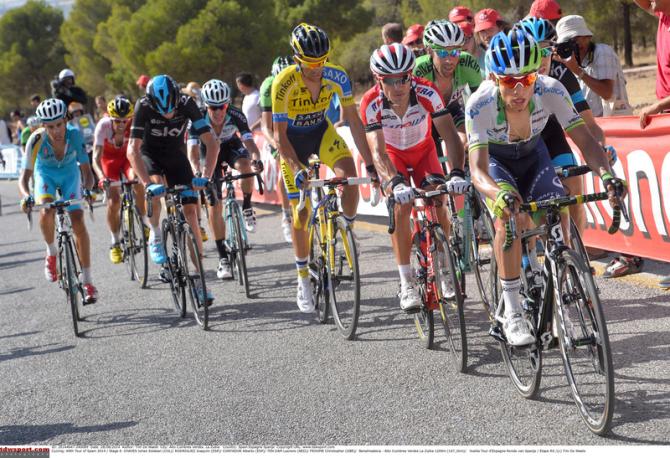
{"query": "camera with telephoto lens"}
{"type": "Point", "coordinates": [565, 49]}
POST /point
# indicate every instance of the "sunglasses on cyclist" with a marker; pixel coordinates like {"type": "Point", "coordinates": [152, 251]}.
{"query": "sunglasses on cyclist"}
{"type": "Point", "coordinates": [444, 53]}
{"type": "Point", "coordinates": [397, 81]}
{"type": "Point", "coordinates": [311, 63]}
{"type": "Point", "coordinates": [120, 120]}
{"type": "Point", "coordinates": [512, 82]}
{"type": "Point", "coordinates": [222, 107]}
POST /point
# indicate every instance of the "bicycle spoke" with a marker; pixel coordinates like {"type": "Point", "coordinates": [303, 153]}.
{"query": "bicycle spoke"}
{"type": "Point", "coordinates": [343, 278]}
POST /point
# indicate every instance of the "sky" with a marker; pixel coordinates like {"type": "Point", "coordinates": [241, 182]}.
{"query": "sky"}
{"type": "Point", "coordinates": [6, 5]}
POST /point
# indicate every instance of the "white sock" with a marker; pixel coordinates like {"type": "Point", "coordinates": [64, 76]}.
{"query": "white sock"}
{"type": "Point", "coordinates": [51, 249]}
{"type": "Point", "coordinates": [510, 290]}
{"type": "Point", "coordinates": [405, 271]}
{"type": "Point", "coordinates": [286, 214]}
{"type": "Point", "coordinates": [155, 235]}
{"type": "Point", "coordinates": [349, 219]}
{"type": "Point", "coordinates": [86, 275]}
{"type": "Point", "coordinates": [116, 238]}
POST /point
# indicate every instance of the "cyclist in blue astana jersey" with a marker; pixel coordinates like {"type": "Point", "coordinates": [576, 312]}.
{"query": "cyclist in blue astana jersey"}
{"type": "Point", "coordinates": [504, 120]}
{"type": "Point", "coordinates": [55, 156]}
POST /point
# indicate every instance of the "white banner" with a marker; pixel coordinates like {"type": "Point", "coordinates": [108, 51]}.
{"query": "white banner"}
{"type": "Point", "coordinates": [11, 154]}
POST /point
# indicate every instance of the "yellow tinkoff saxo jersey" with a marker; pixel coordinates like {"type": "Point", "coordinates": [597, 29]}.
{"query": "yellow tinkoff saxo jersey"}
{"type": "Point", "coordinates": [292, 101]}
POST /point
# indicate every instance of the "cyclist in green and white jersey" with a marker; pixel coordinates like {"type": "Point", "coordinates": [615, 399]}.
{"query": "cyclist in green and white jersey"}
{"type": "Point", "coordinates": [278, 65]}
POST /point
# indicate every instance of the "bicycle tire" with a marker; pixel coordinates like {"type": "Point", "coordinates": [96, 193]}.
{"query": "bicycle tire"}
{"type": "Point", "coordinates": [582, 325]}
{"type": "Point", "coordinates": [344, 280]}
{"type": "Point", "coordinates": [451, 311]}
{"type": "Point", "coordinates": [577, 243]}
{"type": "Point", "coordinates": [240, 259]}
{"type": "Point", "coordinates": [484, 261]}
{"type": "Point", "coordinates": [318, 275]}
{"type": "Point", "coordinates": [195, 281]}
{"type": "Point", "coordinates": [424, 321]}
{"type": "Point", "coordinates": [71, 284]}
{"type": "Point", "coordinates": [135, 245]}
{"type": "Point", "coordinates": [173, 267]}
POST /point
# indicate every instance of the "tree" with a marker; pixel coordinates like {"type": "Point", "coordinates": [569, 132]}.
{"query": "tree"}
{"type": "Point", "coordinates": [339, 18]}
{"type": "Point", "coordinates": [31, 52]}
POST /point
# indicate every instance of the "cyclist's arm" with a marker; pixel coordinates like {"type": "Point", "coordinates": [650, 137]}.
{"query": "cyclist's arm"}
{"type": "Point", "coordinates": [24, 182]}
{"type": "Point", "coordinates": [382, 161]}
{"type": "Point", "coordinates": [266, 128]}
{"type": "Point", "coordinates": [479, 171]}
{"type": "Point", "coordinates": [250, 145]}
{"type": "Point", "coordinates": [594, 127]}
{"type": "Point", "coordinates": [455, 151]}
{"type": "Point", "coordinates": [284, 146]}
{"type": "Point", "coordinates": [357, 132]}
{"type": "Point", "coordinates": [97, 161]}
{"type": "Point", "coordinates": [212, 148]}
{"type": "Point", "coordinates": [592, 151]}
{"type": "Point", "coordinates": [134, 155]}
{"type": "Point", "coordinates": [194, 156]}
{"type": "Point", "coordinates": [86, 173]}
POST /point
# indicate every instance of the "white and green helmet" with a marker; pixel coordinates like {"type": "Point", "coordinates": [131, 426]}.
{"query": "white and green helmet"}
{"type": "Point", "coordinates": [443, 34]}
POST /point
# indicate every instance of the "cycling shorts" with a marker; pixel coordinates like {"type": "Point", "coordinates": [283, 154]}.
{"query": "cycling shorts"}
{"type": "Point", "coordinates": [422, 165]}
{"type": "Point", "coordinates": [177, 170]}
{"type": "Point", "coordinates": [113, 166]}
{"type": "Point", "coordinates": [229, 152]}
{"type": "Point", "coordinates": [531, 174]}
{"type": "Point", "coordinates": [559, 149]}
{"type": "Point", "coordinates": [68, 180]}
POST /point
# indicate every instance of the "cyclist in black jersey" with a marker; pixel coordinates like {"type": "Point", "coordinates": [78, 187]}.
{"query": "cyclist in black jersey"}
{"type": "Point", "coordinates": [157, 151]}
{"type": "Point", "coordinates": [226, 121]}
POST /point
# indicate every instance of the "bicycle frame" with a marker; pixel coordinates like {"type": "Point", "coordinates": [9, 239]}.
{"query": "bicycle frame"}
{"type": "Point", "coordinates": [424, 220]}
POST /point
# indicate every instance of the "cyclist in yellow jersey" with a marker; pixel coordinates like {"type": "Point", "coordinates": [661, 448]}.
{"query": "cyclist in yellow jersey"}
{"type": "Point", "coordinates": [301, 95]}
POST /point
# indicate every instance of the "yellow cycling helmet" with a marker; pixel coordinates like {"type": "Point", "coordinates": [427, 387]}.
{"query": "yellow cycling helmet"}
{"type": "Point", "coordinates": [120, 108]}
{"type": "Point", "coordinates": [310, 42]}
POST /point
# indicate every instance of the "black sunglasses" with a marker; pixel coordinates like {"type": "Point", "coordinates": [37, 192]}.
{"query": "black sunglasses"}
{"type": "Point", "coordinates": [222, 107]}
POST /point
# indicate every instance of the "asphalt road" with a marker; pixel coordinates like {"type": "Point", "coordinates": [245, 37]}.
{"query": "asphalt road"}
{"type": "Point", "coordinates": [266, 374]}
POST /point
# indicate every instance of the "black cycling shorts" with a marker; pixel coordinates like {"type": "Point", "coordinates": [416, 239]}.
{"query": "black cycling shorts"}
{"type": "Point", "coordinates": [175, 167]}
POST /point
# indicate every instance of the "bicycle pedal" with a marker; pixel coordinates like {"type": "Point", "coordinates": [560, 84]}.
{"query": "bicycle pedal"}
{"type": "Point", "coordinates": [496, 332]}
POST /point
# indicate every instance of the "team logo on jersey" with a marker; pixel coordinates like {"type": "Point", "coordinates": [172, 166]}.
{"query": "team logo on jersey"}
{"type": "Point", "coordinates": [167, 132]}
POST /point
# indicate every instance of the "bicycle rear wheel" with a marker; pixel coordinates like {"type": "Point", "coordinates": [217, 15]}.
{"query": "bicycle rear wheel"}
{"type": "Point", "coordinates": [240, 257]}
{"type": "Point", "coordinates": [450, 299]}
{"type": "Point", "coordinates": [70, 282]}
{"type": "Point", "coordinates": [318, 275]}
{"type": "Point", "coordinates": [484, 259]}
{"type": "Point", "coordinates": [195, 278]}
{"type": "Point", "coordinates": [134, 244]}
{"type": "Point", "coordinates": [343, 278]}
{"type": "Point", "coordinates": [424, 320]}
{"type": "Point", "coordinates": [173, 268]}
{"type": "Point", "coordinates": [584, 344]}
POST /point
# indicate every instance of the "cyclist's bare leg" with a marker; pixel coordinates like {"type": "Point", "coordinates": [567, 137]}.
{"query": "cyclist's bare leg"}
{"type": "Point", "coordinates": [300, 235]}
{"type": "Point", "coordinates": [243, 165]}
{"type": "Point", "coordinates": [139, 194]}
{"type": "Point", "coordinates": [401, 239]}
{"type": "Point", "coordinates": [345, 167]}
{"type": "Point", "coordinates": [509, 261]}
{"type": "Point", "coordinates": [113, 206]}
{"type": "Point", "coordinates": [575, 186]}
{"type": "Point", "coordinates": [156, 203]}
{"type": "Point", "coordinates": [191, 215]}
{"type": "Point", "coordinates": [48, 223]}
{"type": "Point", "coordinates": [216, 222]}
{"type": "Point", "coordinates": [81, 237]}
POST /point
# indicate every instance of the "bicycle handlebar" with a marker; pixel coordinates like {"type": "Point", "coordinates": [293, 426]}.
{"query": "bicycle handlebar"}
{"type": "Point", "coordinates": [330, 183]}
{"type": "Point", "coordinates": [572, 171]}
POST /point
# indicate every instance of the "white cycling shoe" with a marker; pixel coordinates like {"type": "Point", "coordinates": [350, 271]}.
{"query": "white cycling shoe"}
{"type": "Point", "coordinates": [305, 298]}
{"type": "Point", "coordinates": [517, 331]}
{"type": "Point", "coordinates": [410, 299]}
{"type": "Point", "coordinates": [249, 220]}
{"type": "Point", "coordinates": [224, 271]}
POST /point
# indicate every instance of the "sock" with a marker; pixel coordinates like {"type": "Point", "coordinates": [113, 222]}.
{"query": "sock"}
{"type": "Point", "coordinates": [510, 290]}
{"type": "Point", "coordinates": [286, 214]}
{"type": "Point", "coordinates": [86, 275]}
{"type": "Point", "coordinates": [51, 249]}
{"type": "Point", "coordinates": [155, 236]}
{"type": "Point", "coordinates": [116, 238]}
{"type": "Point", "coordinates": [221, 248]}
{"type": "Point", "coordinates": [405, 271]}
{"type": "Point", "coordinates": [246, 201]}
{"type": "Point", "coordinates": [302, 268]}
{"type": "Point", "coordinates": [349, 219]}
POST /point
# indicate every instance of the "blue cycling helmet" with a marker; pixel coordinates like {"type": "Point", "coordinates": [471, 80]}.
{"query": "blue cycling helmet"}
{"type": "Point", "coordinates": [163, 94]}
{"type": "Point", "coordinates": [514, 53]}
{"type": "Point", "coordinates": [540, 29]}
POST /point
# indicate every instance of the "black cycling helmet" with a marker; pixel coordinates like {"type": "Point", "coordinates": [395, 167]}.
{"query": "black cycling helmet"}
{"type": "Point", "coordinates": [163, 94]}
{"type": "Point", "coordinates": [310, 41]}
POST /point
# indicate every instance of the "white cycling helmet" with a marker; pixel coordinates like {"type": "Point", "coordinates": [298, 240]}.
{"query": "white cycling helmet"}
{"type": "Point", "coordinates": [393, 59]}
{"type": "Point", "coordinates": [33, 121]}
{"type": "Point", "coordinates": [65, 73]}
{"type": "Point", "coordinates": [215, 93]}
{"type": "Point", "coordinates": [51, 110]}
{"type": "Point", "coordinates": [443, 33]}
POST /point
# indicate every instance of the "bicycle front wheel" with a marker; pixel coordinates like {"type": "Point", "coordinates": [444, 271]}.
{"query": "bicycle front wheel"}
{"type": "Point", "coordinates": [318, 275]}
{"type": "Point", "coordinates": [450, 299]}
{"type": "Point", "coordinates": [584, 343]}
{"type": "Point", "coordinates": [195, 278]}
{"type": "Point", "coordinates": [424, 320]}
{"type": "Point", "coordinates": [68, 272]}
{"type": "Point", "coordinates": [484, 259]}
{"type": "Point", "coordinates": [343, 277]}
{"type": "Point", "coordinates": [135, 249]}
{"type": "Point", "coordinates": [240, 258]}
{"type": "Point", "coordinates": [173, 269]}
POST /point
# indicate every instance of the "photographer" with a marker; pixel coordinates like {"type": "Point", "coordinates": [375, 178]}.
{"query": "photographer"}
{"type": "Point", "coordinates": [63, 88]}
{"type": "Point", "coordinates": [595, 64]}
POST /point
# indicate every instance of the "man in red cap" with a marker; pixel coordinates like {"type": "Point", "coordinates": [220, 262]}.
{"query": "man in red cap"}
{"type": "Point", "coordinates": [488, 23]}
{"type": "Point", "coordinates": [142, 82]}
{"type": "Point", "coordinates": [414, 39]}
{"type": "Point", "coordinates": [460, 14]}
{"type": "Point", "coordinates": [546, 9]}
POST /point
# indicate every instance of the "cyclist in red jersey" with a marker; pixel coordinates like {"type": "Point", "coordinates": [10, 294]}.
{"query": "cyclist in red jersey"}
{"type": "Point", "coordinates": [397, 114]}
{"type": "Point", "coordinates": [110, 161]}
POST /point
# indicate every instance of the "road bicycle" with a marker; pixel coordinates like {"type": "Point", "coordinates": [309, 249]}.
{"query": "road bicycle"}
{"type": "Point", "coordinates": [564, 305]}
{"type": "Point", "coordinates": [186, 285]}
{"type": "Point", "coordinates": [333, 253]}
{"type": "Point", "coordinates": [436, 269]}
{"type": "Point", "coordinates": [236, 241]}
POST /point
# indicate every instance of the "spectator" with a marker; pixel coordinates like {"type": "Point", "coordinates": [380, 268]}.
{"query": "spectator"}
{"type": "Point", "coordinates": [546, 9]}
{"type": "Point", "coordinates": [392, 33]}
{"type": "Point", "coordinates": [141, 83]}
{"type": "Point", "coordinates": [414, 39]}
{"type": "Point", "coordinates": [64, 88]}
{"type": "Point", "coordinates": [193, 90]}
{"type": "Point", "coordinates": [459, 14]}
{"type": "Point", "coordinates": [661, 9]}
{"type": "Point", "coordinates": [488, 23]}
{"type": "Point", "coordinates": [5, 133]}
{"type": "Point", "coordinates": [33, 123]}
{"type": "Point", "coordinates": [35, 100]}
{"type": "Point", "coordinates": [463, 17]}
{"type": "Point", "coordinates": [251, 102]}
{"type": "Point", "coordinates": [17, 119]}
{"type": "Point", "coordinates": [597, 67]}
{"type": "Point", "coordinates": [100, 107]}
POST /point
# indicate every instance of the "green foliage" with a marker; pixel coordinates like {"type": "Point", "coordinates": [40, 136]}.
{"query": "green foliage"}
{"type": "Point", "coordinates": [339, 18]}
{"type": "Point", "coordinates": [31, 52]}
{"type": "Point", "coordinates": [354, 55]}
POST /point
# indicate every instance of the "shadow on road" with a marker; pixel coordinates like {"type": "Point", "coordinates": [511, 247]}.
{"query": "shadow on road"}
{"type": "Point", "coordinates": [31, 434]}
{"type": "Point", "coordinates": [12, 264]}
{"type": "Point", "coordinates": [15, 291]}
{"type": "Point", "coordinates": [38, 350]}
{"type": "Point", "coordinates": [131, 322]}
